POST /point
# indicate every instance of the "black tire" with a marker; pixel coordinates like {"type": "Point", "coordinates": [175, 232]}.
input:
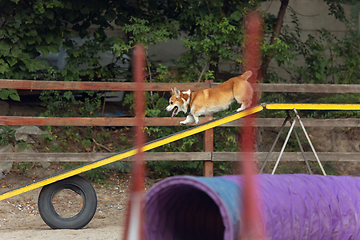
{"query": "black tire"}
{"type": "Point", "coordinates": [82, 218]}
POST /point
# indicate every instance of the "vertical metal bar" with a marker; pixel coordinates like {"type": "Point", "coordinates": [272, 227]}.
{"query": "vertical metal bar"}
{"type": "Point", "coordinates": [311, 145]}
{"type": "Point", "coordinates": [252, 224]}
{"type": "Point", "coordinates": [274, 144]}
{"type": "Point", "coordinates": [135, 217]}
{"type": "Point", "coordinates": [302, 152]}
{"type": "Point", "coordinates": [283, 147]}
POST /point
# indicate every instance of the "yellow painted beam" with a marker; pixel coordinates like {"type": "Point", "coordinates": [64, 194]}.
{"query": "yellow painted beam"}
{"type": "Point", "coordinates": [312, 106]}
{"type": "Point", "coordinates": [131, 152]}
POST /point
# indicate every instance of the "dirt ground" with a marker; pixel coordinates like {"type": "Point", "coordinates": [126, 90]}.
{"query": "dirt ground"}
{"type": "Point", "coordinates": [20, 218]}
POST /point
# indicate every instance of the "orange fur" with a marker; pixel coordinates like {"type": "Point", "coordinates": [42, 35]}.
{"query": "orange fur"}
{"type": "Point", "coordinates": [211, 100]}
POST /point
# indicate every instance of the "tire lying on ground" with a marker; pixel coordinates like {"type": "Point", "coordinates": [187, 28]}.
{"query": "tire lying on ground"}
{"type": "Point", "coordinates": [82, 218]}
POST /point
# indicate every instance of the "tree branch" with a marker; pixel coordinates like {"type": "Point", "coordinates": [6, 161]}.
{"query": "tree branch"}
{"type": "Point", "coordinates": [276, 34]}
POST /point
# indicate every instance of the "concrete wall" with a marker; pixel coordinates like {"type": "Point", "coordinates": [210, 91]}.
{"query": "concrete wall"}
{"type": "Point", "coordinates": [312, 15]}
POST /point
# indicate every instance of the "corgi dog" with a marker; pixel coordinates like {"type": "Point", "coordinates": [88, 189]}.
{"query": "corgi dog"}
{"type": "Point", "coordinates": [211, 100]}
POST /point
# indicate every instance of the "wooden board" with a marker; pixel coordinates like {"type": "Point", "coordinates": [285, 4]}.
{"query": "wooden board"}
{"type": "Point", "coordinates": [292, 156]}
{"type": "Point", "coordinates": [85, 121]}
{"type": "Point", "coordinates": [98, 86]}
{"type": "Point", "coordinates": [130, 86]}
{"type": "Point", "coordinates": [175, 156]}
{"type": "Point", "coordinates": [165, 121]}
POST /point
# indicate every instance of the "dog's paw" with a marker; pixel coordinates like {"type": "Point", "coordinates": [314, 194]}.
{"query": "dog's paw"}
{"type": "Point", "coordinates": [240, 109]}
{"type": "Point", "coordinates": [183, 122]}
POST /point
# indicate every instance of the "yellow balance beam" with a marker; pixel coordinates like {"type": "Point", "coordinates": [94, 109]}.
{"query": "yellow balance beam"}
{"type": "Point", "coordinates": [131, 152]}
{"type": "Point", "coordinates": [312, 106]}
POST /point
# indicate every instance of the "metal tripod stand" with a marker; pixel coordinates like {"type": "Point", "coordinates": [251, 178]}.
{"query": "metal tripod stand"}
{"type": "Point", "coordinates": [292, 122]}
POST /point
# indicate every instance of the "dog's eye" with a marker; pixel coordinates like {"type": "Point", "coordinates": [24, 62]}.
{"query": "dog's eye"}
{"type": "Point", "coordinates": [171, 103]}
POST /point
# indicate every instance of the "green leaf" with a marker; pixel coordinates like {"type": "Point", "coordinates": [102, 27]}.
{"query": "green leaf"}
{"type": "Point", "coordinates": [4, 94]}
{"type": "Point", "coordinates": [110, 15]}
{"type": "Point", "coordinates": [43, 49]}
{"type": "Point", "coordinates": [58, 40]}
{"type": "Point", "coordinates": [4, 67]}
{"type": "Point", "coordinates": [32, 32]}
{"type": "Point", "coordinates": [53, 49]}
{"type": "Point", "coordinates": [30, 40]}
{"type": "Point", "coordinates": [50, 15]}
{"type": "Point", "coordinates": [15, 96]}
{"type": "Point", "coordinates": [85, 10]}
{"type": "Point", "coordinates": [68, 95]}
{"type": "Point", "coordinates": [11, 61]}
{"type": "Point", "coordinates": [4, 45]}
{"type": "Point", "coordinates": [29, 64]}
{"type": "Point", "coordinates": [49, 38]}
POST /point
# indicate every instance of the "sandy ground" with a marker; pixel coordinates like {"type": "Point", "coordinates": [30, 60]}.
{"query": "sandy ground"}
{"type": "Point", "coordinates": [20, 218]}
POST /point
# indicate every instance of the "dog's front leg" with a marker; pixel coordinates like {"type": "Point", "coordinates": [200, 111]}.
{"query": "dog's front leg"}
{"type": "Point", "coordinates": [197, 120]}
{"type": "Point", "coordinates": [189, 119]}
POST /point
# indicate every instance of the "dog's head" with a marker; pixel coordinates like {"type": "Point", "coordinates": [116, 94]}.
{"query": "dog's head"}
{"type": "Point", "coordinates": [179, 101]}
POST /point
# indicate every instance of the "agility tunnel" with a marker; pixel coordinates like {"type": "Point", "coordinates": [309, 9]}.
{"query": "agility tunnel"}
{"type": "Point", "coordinates": [295, 206]}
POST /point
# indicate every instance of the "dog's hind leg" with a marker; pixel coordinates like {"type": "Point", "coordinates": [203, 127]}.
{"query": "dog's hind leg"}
{"type": "Point", "coordinates": [189, 119]}
{"type": "Point", "coordinates": [244, 104]}
{"type": "Point", "coordinates": [244, 96]}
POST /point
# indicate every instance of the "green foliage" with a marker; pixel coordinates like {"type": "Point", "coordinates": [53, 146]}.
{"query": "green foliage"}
{"type": "Point", "coordinates": [215, 39]}
{"type": "Point", "coordinates": [86, 142]}
{"type": "Point", "coordinates": [97, 175]}
{"type": "Point", "coordinates": [321, 58]}
{"type": "Point", "coordinates": [326, 59]}
{"type": "Point", "coordinates": [215, 33]}
{"type": "Point", "coordinates": [5, 94]}
{"type": "Point", "coordinates": [27, 29]}
{"type": "Point", "coordinates": [22, 167]}
{"type": "Point", "coordinates": [67, 105]}
{"type": "Point", "coordinates": [7, 135]}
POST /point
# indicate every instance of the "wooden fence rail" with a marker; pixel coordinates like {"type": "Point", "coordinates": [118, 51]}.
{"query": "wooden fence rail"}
{"type": "Point", "coordinates": [129, 86]}
{"type": "Point", "coordinates": [208, 156]}
{"type": "Point", "coordinates": [175, 156]}
{"type": "Point", "coordinates": [164, 121]}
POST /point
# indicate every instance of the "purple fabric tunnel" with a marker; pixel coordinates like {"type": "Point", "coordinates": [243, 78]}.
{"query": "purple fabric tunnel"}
{"type": "Point", "coordinates": [296, 206]}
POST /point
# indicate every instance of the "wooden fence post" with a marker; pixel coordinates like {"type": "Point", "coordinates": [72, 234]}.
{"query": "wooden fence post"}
{"type": "Point", "coordinates": [208, 147]}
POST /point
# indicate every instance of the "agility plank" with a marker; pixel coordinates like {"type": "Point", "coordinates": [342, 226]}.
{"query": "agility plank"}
{"type": "Point", "coordinates": [312, 106]}
{"type": "Point", "coordinates": [131, 152]}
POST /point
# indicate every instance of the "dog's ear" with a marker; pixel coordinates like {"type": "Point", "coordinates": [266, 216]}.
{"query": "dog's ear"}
{"type": "Point", "coordinates": [176, 92]}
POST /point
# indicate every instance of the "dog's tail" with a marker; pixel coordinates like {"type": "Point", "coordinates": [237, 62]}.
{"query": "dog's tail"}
{"type": "Point", "coordinates": [246, 75]}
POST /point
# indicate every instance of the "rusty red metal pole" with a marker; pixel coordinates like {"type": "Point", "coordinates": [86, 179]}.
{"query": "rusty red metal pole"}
{"type": "Point", "coordinates": [252, 223]}
{"type": "Point", "coordinates": [135, 218]}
